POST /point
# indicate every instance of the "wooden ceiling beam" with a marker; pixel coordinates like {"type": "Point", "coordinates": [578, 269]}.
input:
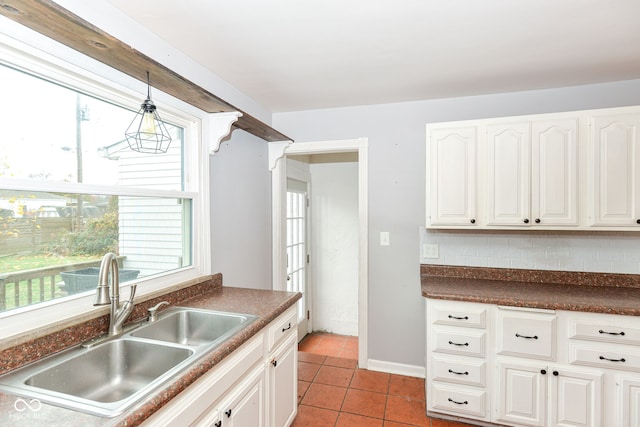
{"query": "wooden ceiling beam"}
{"type": "Point", "coordinates": [58, 23]}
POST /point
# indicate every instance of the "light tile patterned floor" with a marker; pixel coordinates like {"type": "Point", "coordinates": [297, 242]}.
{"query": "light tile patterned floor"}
{"type": "Point", "coordinates": [333, 392]}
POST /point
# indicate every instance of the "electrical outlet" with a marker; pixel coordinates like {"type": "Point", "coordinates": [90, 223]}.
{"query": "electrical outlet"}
{"type": "Point", "coordinates": [430, 251]}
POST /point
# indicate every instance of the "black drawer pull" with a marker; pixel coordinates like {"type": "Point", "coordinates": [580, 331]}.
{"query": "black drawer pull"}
{"type": "Point", "coordinates": [611, 333]}
{"type": "Point", "coordinates": [228, 413]}
{"type": "Point", "coordinates": [218, 424]}
{"type": "Point", "coordinates": [287, 328]}
{"type": "Point", "coordinates": [459, 318]}
{"type": "Point", "coordinates": [613, 360]}
{"type": "Point", "coordinates": [458, 373]}
{"type": "Point", "coordinates": [466, 344]}
{"type": "Point", "coordinates": [458, 403]}
{"type": "Point", "coordinates": [535, 337]}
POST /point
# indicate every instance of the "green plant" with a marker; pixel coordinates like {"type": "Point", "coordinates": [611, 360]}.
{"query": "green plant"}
{"type": "Point", "coordinates": [97, 237]}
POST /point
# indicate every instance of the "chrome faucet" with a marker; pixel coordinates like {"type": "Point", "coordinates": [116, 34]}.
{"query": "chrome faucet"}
{"type": "Point", "coordinates": [118, 315]}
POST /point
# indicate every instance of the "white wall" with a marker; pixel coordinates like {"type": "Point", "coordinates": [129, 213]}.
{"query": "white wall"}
{"type": "Point", "coordinates": [334, 247]}
{"type": "Point", "coordinates": [397, 173]}
{"type": "Point", "coordinates": [241, 212]}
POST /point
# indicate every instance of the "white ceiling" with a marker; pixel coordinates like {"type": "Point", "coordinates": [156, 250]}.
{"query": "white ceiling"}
{"type": "Point", "coordinates": [305, 54]}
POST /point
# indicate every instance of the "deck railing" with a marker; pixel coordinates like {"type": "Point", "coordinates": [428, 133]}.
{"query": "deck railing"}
{"type": "Point", "coordinates": [27, 287]}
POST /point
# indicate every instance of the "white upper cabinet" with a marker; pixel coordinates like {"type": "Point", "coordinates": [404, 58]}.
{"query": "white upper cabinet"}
{"type": "Point", "coordinates": [554, 172]}
{"type": "Point", "coordinates": [615, 163]}
{"type": "Point", "coordinates": [452, 176]}
{"type": "Point", "coordinates": [508, 174]}
{"type": "Point", "coordinates": [565, 171]}
{"type": "Point", "coordinates": [532, 173]}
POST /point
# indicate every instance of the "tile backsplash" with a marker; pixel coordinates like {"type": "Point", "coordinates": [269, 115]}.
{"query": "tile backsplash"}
{"type": "Point", "coordinates": [606, 252]}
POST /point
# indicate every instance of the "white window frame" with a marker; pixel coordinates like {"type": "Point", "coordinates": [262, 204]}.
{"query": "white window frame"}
{"type": "Point", "coordinates": [75, 70]}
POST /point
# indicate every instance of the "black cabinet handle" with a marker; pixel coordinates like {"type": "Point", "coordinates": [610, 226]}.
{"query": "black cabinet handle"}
{"type": "Point", "coordinates": [287, 328]}
{"type": "Point", "coordinates": [556, 373]}
{"type": "Point", "coordinates": [534, 337]}
{"type": "Point", "coordinates": [458, 318]}
{"type": "Point", "coordinates": [228, 413]}
{"type": "Point", "coordinates": [637, 221]}
{"type": "Point", "coordinates": [218, 424]}
{"type": "Point", "coordinates": [458, 373]}
{"type": "Point", "coordinates": [537, 220]}
{"type": "Point", "coordinates": [466, 344]}
{"type": "Point", "coordinates": [543, 371]}
{"type": "Point", "coordinates": [458, 403]}
{"type": "Point", "coordinates": [611, 333]}
{"type": "Point", "coordinates": [274, 362]}
{"type": "Point", "coordinates": [613, 360]}
{"type": "Point", "coordinates": [526, 220]}
{"type": "Point", "coordinates": [473, 221]}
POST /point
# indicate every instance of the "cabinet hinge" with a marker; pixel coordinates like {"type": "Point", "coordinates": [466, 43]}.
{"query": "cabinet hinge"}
{"type": "Point", "coordinates": [308, 315]}
{"type": "Point", "coordinates": [307, 258]}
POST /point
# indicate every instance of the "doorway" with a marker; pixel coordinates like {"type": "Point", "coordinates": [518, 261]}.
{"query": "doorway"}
{"type": "Point", "coordinates": [279, 153]}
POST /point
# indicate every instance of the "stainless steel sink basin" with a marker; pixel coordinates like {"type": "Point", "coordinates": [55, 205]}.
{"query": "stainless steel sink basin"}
{"type": "Point", "coordinates": [110, 372]}
{"type": "Point", "coordinates": [192, 327]}
{"type": "Point", "coordinates": [108, 378]}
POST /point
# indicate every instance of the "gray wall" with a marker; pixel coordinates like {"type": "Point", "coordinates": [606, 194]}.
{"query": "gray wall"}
{"type": "Point", "coordinates": [241, 212]}
{"type": "Point", "coordinates": [397, 171]}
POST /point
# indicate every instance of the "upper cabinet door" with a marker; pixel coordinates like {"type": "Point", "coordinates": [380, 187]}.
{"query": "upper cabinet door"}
{"type": "Point", "coordinates": [554, 172]}
{"type": "Point", "coordinates": [615, 165]}
{"type": "Point", "coordinates": [508, 162]}
{"type": "Point", "coordinates": [452, 176]}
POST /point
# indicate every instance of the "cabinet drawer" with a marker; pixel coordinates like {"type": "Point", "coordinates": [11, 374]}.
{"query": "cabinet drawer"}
{"type": "Point", "coordinates": [604, 331]}
{"type": "Point", "coordinates": [467, 315]}
{"type": "Point", "coordinates": [459, 400]}
{"type": "Point", "coordinates": [531, 335]}
{"type": "Point", "coordinates": [463, 342]}
{"type": "Point", "coordinates": [469, 372]}
{"type": "Point", "coordinates": [605, 356]}
{"type": "Point", "coordinates": [285, 324]}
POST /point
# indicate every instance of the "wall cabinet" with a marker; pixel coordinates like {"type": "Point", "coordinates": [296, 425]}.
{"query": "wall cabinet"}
{"type": "Point", "coordinates": [532, 171]}
{"type": "Point", "coordinates": [254, 386]}
{"type": "Point", "coordinates": [616, 170]}
{"type": "Point", "coordinates": [565, 171]}
{"type": "Point", "coordinates": [530, 367]}
{"type": "Point", "coordinates": [452, 167]}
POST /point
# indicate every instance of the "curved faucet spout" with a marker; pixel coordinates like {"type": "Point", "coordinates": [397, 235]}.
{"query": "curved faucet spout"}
{"type": "Point", "coordinates": [118, 315]}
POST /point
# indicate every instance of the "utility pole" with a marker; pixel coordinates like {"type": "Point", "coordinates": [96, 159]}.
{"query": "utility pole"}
{"type": "Point", "coordinates": [82, 115]}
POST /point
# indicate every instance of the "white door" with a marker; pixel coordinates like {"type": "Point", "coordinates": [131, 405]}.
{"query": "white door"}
{"type": "Point", "coordinates": [297, 248]}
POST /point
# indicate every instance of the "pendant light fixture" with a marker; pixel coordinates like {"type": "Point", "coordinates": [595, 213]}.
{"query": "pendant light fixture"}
{"type": "Point", "coordinates": [147, 132]}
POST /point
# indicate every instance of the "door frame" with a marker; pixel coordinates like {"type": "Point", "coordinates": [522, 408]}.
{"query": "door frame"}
{"type": "Point", "coordinates": [277, 164]}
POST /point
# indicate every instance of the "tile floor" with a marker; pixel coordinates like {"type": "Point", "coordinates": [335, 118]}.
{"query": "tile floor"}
{"type": "Point", "coordinates": [333, 392]}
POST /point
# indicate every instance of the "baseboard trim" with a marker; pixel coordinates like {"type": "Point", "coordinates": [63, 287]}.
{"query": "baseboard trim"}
{"type": "Point", "coordinates": [396, 368]}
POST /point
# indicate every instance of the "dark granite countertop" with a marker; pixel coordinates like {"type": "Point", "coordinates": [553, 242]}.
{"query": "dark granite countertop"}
{"type": "Point", "coordinates": [267, 305]}
{"type": "Point", "coordinates": [589, 292]}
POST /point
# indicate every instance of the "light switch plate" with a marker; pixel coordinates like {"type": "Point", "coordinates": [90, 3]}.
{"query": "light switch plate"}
{"type": "Point", "coordinates": [430, 251]}
{"type": "Point", "coordinates": [384, 238]}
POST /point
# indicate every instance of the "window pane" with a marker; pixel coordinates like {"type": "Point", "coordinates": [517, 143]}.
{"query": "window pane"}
{"type": "Point", "coordinates": [51, 244]}
{"type": "Point", "coordinates": [53, 133]}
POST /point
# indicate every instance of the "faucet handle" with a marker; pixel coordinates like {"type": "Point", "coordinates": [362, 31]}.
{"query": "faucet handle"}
{"type": "Point", "coordinates": [153, 311]}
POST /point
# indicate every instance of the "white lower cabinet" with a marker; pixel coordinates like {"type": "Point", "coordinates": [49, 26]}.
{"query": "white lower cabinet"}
{"type": "Point", "coordinates": [282, 371]}
{"type": "Point", "coordinates": [255, 386]}
{"type": "Point", "coordinates": [530, 367]}
{"type": "Point", "coordinates": [539, 395]}
{"type": "Point", "coordinates": [242, 406]}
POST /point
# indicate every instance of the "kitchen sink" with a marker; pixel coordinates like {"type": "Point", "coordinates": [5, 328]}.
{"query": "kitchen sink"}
{"type": "Point", "coordinates": [192, 327]}
{"type": "Point", "coordinates": [110, 372]}
{"type": "Point", "coordinates": [108, 377]}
